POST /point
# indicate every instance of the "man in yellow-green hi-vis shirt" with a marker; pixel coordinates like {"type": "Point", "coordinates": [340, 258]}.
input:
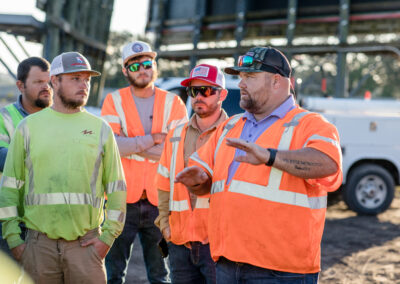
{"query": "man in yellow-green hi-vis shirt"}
{"type": "Point", "coordinates": [60, 165]}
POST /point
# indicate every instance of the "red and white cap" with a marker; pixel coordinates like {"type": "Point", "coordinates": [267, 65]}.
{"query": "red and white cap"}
{"type": "Point", "coordinates": [207, 73]}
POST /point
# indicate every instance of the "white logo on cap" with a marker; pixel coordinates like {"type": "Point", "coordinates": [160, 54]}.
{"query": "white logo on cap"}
{"type": "Point", "coordinates": [137, 47]}
{"type": "Point", "coordinates": [200, 71]}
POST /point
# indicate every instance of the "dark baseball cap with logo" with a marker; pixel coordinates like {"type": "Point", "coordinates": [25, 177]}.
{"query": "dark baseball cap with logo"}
{"type": "Point", "coordinates": [262, 59]}
{"type": "Point", "coordinates": [71, 62]}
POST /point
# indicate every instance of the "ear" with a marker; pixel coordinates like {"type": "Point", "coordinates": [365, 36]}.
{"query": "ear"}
{"type": "Point", "coordinates": [54, 81]}
{"type": "Point", "coordinates": [276, 81]}
{"type": "Point", "coordinates": [125, 71]}
{"type": "Point", "coordinates": [20, 85]}
{"type": "Point", "coordinates": [223, 94]}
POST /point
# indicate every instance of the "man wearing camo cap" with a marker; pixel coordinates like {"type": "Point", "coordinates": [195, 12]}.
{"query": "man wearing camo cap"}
{"type": "Point", "coordinates": [61, 163]}
{"type": "Point", "coordinates": [268, 171]}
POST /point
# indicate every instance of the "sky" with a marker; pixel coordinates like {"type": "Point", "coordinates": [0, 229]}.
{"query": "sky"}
{"type": "Point", "coordinates": [122, 19]}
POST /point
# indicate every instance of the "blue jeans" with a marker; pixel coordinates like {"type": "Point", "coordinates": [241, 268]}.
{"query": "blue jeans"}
{"type": "Point", "coordinates": [243, 273]}
{"type": "Point", "coordinates": [191, 266]}
{"type": "Point", "coordinates": [140, 218]}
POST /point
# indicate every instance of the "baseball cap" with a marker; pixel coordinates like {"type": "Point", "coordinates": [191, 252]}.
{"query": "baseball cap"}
{"type": "Point", "coordinates": [71, 62]}
{"type": "Point", "coordinates": [208, 73]}
{"type": "Point", "coordinates": [266, 59]}
{"type": "Point", "coordinates": [136, 48]}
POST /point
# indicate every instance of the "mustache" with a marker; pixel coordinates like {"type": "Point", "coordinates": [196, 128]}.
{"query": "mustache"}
{"type": "Point", "coordinates": [44, 92]}
{"type": "Point", "coordinates": [82, 92]}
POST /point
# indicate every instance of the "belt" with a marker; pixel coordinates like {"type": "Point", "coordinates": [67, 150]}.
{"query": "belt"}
{"type": "Point", "coordinates": [39, 235]}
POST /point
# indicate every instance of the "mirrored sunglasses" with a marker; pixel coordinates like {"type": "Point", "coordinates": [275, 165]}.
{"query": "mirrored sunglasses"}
{"type": "Point", "coordinates": [205, 91]}
{"type": "Point", "coordinates": [247, 61]}
{"type": "Point", "coordinates": [148, 64]}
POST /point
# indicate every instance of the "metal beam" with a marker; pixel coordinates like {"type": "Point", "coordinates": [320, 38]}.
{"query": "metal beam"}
{"type": "Point", "coordinates": [341, 86]}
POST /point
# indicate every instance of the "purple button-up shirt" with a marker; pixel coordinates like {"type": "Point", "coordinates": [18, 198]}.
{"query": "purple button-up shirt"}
{"type": "Point", "coordinates": [252, 129]}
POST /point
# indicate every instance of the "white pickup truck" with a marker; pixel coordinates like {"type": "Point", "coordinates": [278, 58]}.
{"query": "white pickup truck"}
{"type": "Point", "coordinates": [370, 139]}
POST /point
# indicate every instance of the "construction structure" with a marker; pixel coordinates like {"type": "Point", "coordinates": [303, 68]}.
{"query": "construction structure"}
{"type": "Point", "coordinates": [204, 24]}
{"type": "Point", "coordinates": [70, 25]}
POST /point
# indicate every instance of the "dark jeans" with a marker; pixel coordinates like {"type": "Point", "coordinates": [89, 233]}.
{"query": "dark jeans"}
{"type": "Point", "coordinates": [242, 273]}
{"type": "Point", "coordinates": [140, 218]}
{"type": "Point", "coordinates": [191, 266]}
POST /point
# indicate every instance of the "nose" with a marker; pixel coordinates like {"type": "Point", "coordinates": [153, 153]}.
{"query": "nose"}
{"type": "Point", "coordinates": [241, 84]}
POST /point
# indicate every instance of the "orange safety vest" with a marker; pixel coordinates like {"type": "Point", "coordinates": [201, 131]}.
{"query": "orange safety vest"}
{"type": "Point", "coordinates": [266, 217]}
{"type": "Point", "coordinates": [186, 225]}
{"type": "Point", "coordinates": [119, 110]}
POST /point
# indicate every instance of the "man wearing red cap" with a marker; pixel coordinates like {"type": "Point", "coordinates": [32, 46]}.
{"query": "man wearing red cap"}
{"type": "Point", "coordinates": [183, 216]}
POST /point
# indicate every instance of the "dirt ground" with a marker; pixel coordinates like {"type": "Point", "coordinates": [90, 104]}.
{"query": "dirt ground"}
{"type": "Point", "coordinates": [355, 249]}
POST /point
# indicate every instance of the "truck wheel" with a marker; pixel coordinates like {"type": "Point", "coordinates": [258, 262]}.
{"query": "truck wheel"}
{"type": "Point", "coordinates": [369, 189]}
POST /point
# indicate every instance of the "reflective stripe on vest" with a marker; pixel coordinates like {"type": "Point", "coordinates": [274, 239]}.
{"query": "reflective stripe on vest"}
{"type": "Point", "coordinates": [272, 191]}
{"type": "Point", "coordinates": [227, 127]}
{"type": "Point", "coordinates": [169, 100]}
{"type": "Point", "coordinates": [7, 212]}
{"type": "Point", "coordinates": [33, 198]}
{"type": "Point", "coordinates": [195, 157]}
{"type": "Point", "coordinates": [181, 205]}
{"type": "Point", "coordinates": [116, 215]}
{"type": "Point", "coordinates": [163, 171]}
{"type": "Point", "coordinates": [11, 182]}
{"type": "Point", "coordinates": [116, 96]}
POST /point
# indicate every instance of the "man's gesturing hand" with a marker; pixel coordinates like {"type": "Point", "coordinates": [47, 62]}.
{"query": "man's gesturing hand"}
{"type": "Point", "coordinates": [195, 179]}
{"type": "Point", "coordinates": [255, 154]}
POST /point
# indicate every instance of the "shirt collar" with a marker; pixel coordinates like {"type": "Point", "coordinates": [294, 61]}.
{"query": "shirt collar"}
{"type": "Point", "coordinates": [18, 105]}
{"type": "Point", "coordinates": [279, 112]}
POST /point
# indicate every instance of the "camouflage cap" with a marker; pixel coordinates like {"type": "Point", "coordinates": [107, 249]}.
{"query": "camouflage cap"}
{"type": "Point", "coordinates": [267, 59]}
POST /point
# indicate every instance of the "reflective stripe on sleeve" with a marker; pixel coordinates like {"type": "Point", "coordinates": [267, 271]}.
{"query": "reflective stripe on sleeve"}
{"type": "Point", "coordinates": [11, 182]}
{"type": "Point", "coordinates": [112, 119]}
{"type": "Point", "coordinates": [323, 138]}
{"type": "Point", "coordinates": [8, 212]}
{"type": "Point", "coordinates": [116, 215]}
{"type": "Point", "coordinates": [202, 203]}
{"type": "Point", "coordinates": [195, 157]}
{"type": "Point", "coordinates": [118, 185]}
{"type": "Point", "coordinates": [163, 171]}
{"type": "Point", "coordinates": [179, 206]}
{"type": "Point", "coordinates": [63, 198]}
{"type": "Point", "coordinates": [280, 196]}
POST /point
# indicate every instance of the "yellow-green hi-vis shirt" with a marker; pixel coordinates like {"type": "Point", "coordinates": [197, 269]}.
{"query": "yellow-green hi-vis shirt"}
{"type": "Point", "coordinates": [58, 170]}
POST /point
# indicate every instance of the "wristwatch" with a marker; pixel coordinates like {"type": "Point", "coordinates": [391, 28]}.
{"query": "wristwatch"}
{"type": "Point", "coordinates": [272, 156]}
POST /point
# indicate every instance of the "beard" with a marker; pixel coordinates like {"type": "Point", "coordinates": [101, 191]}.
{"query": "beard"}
{"type": "Point", "coordinates": [204, 110]}
{"type": "Point", "coordinates": [71, 103]}
{"type": "Point", "coordinates": [43, 103]}
{"type": "Point", "coordinates": [248, 104]}
{"type": "Point", "coordinates": [142, 85]}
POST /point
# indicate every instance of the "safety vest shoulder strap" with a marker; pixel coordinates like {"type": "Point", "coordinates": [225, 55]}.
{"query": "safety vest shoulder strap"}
{"type": "Point", "coordinates": [11, 117]}
{"type": "Point", "coordinates": [228, 126]}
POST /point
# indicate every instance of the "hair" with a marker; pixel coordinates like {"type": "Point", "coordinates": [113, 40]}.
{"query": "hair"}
{"type": "Point", "coordinates": [25, 66]}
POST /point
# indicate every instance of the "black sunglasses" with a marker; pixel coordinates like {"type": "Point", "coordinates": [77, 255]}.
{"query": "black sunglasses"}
{"type": "Point", "coordinates": [148, 64]}
{"type": "Point", "coordinates": [205, 91]}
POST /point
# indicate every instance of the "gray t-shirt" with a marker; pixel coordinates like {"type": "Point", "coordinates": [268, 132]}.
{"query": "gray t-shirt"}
{"type": "Point", "coordinates": [145, 109]}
